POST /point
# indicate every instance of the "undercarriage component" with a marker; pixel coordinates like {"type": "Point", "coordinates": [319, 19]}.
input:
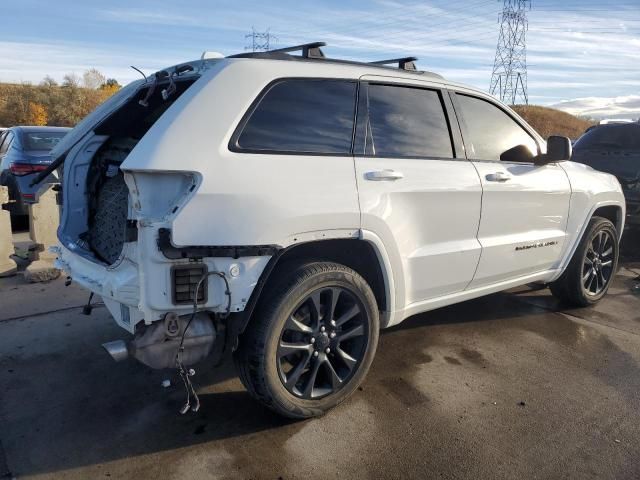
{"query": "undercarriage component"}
{"type": "Point", "coordinates": [158, 344]}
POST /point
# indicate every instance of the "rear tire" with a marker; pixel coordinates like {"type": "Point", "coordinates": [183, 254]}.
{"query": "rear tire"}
{"type": "Point", "coordinates": [311, 341]}
{"type": "Point", "coordinates": [16, 206]}
{"type": "Point", "coordinates": [592, 267]}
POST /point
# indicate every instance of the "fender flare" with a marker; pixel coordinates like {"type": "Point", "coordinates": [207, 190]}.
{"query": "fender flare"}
{"type": "Point", "coordinates": [564, 263]}
{"type": "Point", "coordinates": [239, 321]}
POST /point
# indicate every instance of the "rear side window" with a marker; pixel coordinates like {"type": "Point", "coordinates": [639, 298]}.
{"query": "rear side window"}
{"type": "Point", "coordinates": [492, 132]}
{"type": "Point", "coordinates": [305, 116]}
{"type": "Point", "coordinates": [405, 122]}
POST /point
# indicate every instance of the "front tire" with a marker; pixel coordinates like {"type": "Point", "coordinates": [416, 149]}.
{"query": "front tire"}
{"type": "Point", "coordinates": [592, 267]}
{"type": "Point", "coordinates": [312, 340]}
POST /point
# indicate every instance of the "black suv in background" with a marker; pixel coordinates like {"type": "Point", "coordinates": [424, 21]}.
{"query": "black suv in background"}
{"type": "Point", "coordinates": [615, 148]}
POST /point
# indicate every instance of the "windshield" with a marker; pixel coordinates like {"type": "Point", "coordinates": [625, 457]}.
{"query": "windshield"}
{"type": "Point", "coordinates": [42, 140]}
{"type": "Point", "coordinates": [624, 137]}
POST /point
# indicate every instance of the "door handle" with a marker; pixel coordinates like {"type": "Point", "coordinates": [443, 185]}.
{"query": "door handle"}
{"type": "Point", "coordinates": [498, 177]}
{"type": "Point", "coordinates": [383, 175]}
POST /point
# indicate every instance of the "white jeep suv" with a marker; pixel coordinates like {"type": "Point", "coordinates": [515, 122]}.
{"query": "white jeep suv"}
{"type": "Point", "coordinates": [289, 206]}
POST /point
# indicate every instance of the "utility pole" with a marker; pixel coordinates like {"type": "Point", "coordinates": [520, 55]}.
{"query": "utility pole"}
{"type": "Point", "coordinates": [509, 77]}
{"type": "Point", "coordinates": [259, 41]}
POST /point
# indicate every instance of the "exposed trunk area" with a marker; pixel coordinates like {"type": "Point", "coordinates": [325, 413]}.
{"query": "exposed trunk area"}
{"type": "Point", "coordinates": [102, 232]}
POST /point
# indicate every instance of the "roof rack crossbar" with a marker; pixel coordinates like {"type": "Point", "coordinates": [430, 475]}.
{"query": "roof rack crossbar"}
{"type": "Point", "coordinates": [405, 63]}
{"type": "Point", "coordinates": [309, 50]}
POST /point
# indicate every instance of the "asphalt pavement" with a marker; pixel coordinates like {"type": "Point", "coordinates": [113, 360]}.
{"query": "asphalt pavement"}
{"type": "Point", "coordinates": [512, 385]}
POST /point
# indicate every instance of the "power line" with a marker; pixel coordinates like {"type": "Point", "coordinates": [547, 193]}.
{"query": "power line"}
{"type": "Point", "coordinates": [509, 77]}
{"type": "Point", "coordinates": [260, 41]}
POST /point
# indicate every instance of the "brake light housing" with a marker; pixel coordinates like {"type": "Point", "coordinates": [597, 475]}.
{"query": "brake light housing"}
{"type": "Point", "coordinates": [20, 169]}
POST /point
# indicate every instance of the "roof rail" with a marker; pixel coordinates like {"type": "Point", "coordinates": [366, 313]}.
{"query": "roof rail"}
{"type": "Point", "coordinates": [309, 50]}
{"type": "Point", "coordinates": [406, 63]}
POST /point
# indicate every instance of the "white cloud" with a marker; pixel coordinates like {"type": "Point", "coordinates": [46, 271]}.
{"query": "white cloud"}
{"type": "Point", "coordinates": [30, 62]}
{"type": "Point", "coordinates": [456, 39]}
{"type": "Point", "coordinates": [603, 107]}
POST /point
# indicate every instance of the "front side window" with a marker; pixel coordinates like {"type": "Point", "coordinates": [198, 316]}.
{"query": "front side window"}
{"type": "Point", "coordinates": [492, 132]}
{"type": "Point", "coordinates": [306, 116]}
{"type": "Point", "coordinates": [405, 122]}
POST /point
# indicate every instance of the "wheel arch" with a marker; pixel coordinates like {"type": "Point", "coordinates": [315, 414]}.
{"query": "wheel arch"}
{"type": "Point", "coordinates": [611, 210]}
{"type": "Point", "coordinates": [362, 255]}
{"type": "Point", "coordinates": [613, 213]}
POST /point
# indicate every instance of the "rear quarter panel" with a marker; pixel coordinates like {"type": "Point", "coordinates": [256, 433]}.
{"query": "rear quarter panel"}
{"type": "Point", "coordinates": [247, 198]}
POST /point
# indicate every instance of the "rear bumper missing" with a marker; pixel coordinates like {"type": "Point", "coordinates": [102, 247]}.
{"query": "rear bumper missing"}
{"type": "Point", "coordinates": [117, 286]}
{"type": "Point", "coordinates": [141, 285]}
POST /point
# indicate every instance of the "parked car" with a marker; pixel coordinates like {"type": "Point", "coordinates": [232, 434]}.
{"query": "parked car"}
{"type": "Point", "coordinates": [290, 206]}
{"type": "Point", "coordinates": [615, 148]}
{"type": "Point", "coordinates": [25, 151]}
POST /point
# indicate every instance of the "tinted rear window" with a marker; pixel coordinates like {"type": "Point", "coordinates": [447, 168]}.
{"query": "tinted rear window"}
{"type": "Point", "coordinates": [313, 116]}
{"type": "Point", "coordinates": [607, 137]}
{"type": "Point", "coordinates": [406, 122]}
{"type": "Point", "coordinates": [41, 140]}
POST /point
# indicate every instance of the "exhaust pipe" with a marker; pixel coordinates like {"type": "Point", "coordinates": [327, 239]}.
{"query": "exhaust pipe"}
{"type": "Point", "coordinates": [117, 349]}
{"type": "Point", "coordinates": [157, 345]}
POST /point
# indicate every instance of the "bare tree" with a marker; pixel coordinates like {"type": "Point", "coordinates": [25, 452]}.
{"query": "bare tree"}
{"type": "Point", "coordinates": [71, 80]}
{"type": "Point", "coordinates": [48, 82]}
{"type": "Point", "coordinates": [93, 78]}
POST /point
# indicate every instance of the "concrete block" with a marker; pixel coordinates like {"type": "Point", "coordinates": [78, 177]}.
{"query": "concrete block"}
{"type": "Point", "coordinates": [44, 218]}
{"type": "Point", "coordinates": [7, 265]}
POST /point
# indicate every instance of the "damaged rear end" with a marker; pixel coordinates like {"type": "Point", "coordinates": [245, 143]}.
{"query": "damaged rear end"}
{"type": "Point", "coordinates": [118, 211]}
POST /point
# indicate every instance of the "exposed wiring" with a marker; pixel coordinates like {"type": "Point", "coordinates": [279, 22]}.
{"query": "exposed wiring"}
{"type": "Point", "coordinates": [139, 71]}
{"type": "Point", "coordinates": [185, 374]}
{"type": "Point", "coordinates": [170, 90]}
{"type": "Point", "coordinates": [145, 101]}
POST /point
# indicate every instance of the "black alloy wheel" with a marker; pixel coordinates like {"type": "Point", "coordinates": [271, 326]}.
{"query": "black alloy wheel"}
{"type": "Point", "coordinates": [597, 268]}
{"type": "Point", "coordinates": [322, 343]}
{"type": "Point", "coordinates": [592, 267]}
{"type": "Point", "coordinates": [312, 338]}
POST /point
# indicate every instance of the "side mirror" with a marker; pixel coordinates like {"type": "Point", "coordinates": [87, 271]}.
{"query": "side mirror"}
{"type": "Point", "coordinates": [519, 153]}
{"type": "Point", "coordinates": [558, 149]}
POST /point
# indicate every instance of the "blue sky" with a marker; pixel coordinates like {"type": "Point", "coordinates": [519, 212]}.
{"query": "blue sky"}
{"type": "Point", "coordinates": [583, 55]}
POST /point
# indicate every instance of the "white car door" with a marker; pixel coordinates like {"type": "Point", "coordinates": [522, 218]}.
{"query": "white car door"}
{"type": "Point", "coordinates": [417, 191]}
{"type": "Point", "coordinates": [524, 206]}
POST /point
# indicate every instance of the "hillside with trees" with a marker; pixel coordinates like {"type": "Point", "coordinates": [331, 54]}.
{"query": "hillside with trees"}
{"type": "Point", "coordinates": [549, 121]}
{"type": "Point", "coordinates": [65, 104]}
{"type": "Point", "coordinates": [50, 103]}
